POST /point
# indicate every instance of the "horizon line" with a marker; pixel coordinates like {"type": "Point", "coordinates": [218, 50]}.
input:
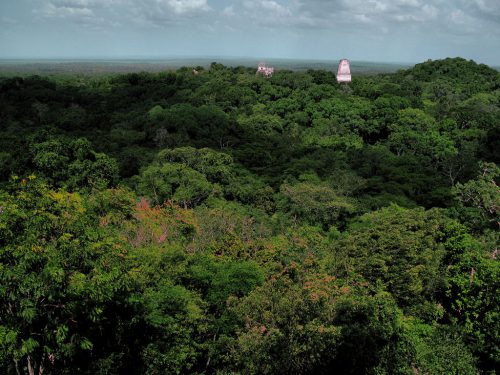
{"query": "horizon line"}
{"type": "Point", "coordinates": [195, 57]}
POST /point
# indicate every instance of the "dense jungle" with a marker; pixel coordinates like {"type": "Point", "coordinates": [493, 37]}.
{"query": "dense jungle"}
{"type": "Point", "coordinates": [211, 221]}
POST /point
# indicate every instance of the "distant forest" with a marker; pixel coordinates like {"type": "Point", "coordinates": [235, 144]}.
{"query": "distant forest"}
{"type": "Point", "coordinates": [211, 221]}
{"type": "Point", "coordinates": [52, 67]}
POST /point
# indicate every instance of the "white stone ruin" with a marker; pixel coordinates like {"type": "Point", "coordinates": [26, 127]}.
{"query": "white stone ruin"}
{"type": "Point", "coordinates": [344, 71]}
{"type": "Point", "coordinates": [266, 71]}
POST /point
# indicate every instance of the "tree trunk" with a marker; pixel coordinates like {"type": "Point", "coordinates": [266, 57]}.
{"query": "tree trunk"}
{"type": "Point", "coordinates": [31, 369]}
{"type": "Point", "coordinates": [16, 364]}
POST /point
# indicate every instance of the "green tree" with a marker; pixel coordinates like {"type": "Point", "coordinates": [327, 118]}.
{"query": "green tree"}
{"type": "Point", "coordinates": [315, 326]}
{"type": "Point", "coordinates": [61, 275]}
{"type": "Point", "coordinates": [216, 166]}
{"type": "Point", "coordinates": [473, 292]}
{"type": "Point", "coordinates": [73, 164]}
{"type": "Point", "coordinates": [315, 203]}
{"type": "Point", "coordinates": [175, 182]}
{"type": "Point", "coordinates": [401, 248]}
{"type": "Point", "coordinates": [480, 198]}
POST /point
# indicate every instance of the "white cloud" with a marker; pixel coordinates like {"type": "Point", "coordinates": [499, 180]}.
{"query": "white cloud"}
{"type": "Point", "coordinates": [229, 11]}
{"type": "Point", "coordinates": [93, 13]}
{"type": "Point", "coordinates": [268, 6]}
{"type": "Point", "coordinates": [482, 16]}
{"type": "Point", "coordinates": [380, 15]}
{"type": "Point", "coordinates": [86, 3]}
{"type": "Point", "coordinates": [267, 12]}
{"type": "Point", "coordinates": [377, 16]}
{"type": "Point", "coordinates": [488, 6]}
{"type": "Point", "coordinates": [65, 12]}
{"type": "Point", "coordinates": [113, 12]}
{"type": "Point", "coordinates": [377, 12]}
{"type": "Point", "coordinates": [8, 20]}
{"type": "Point", "coordinates": [167, 12]}
{"type": "Point", "coordinates": [185, 6]}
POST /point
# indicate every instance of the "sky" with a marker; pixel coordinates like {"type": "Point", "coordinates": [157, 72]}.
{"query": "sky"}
{"type": "Point", "coordinates": [362, 30]}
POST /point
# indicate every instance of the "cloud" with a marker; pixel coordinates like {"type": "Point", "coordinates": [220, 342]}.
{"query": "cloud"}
{"type": "Point", "coordinates": [82, 12]}
{"type": "Point", "coordinates": [113, 12]}
{"type": "Point", "coordinates": [65, 12]}
{"type": "Point", "coordinates": [331, 14]}
{"type": "Point", "coordinates": [68, 7]}
{"type": "Point", "coordinates": [168, 12]}
{"type": "Point", "coordinates": [487, 6]}
{"type": "Point", "coordinates": [379, 13]}
{"type": "Point", "coordinates": [484, 10]}
{"type": "Point", "coordinates": [229, 11]}
{"type": "Point", "coordinates": [79, 14]}
{"type": "Point", "coordinates": [86, 3]}
{"type": "Point", "coordinates": [264, 13]}
{"type": "Point", "coordinates": [185, 6]}
{"type": "Point", "coordinates": [267, 12]}
{"type": "Point", "coordinates": [377, 16]}
{"type": "Point", "coordinates": [8, 20]}
{"type": "Point", "coordinates": [454, 17]}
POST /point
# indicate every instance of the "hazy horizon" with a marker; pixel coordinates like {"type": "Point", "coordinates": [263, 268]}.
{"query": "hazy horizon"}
{"type": "Point", "coordinates": [161, 58]}
{"type": "Point", "coordinates": [130, 65]}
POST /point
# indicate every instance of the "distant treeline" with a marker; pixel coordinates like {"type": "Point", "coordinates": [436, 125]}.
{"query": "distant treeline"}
{"type": "Point", "coordinates": [119, 66]}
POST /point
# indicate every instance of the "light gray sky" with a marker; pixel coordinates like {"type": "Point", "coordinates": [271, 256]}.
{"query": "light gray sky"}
{"type": "Point", "coordinates": [369, 30]}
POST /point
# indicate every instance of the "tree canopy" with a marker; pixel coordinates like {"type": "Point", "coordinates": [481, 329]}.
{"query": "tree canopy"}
{"type": "Point", "coordinates": [222, 222]}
